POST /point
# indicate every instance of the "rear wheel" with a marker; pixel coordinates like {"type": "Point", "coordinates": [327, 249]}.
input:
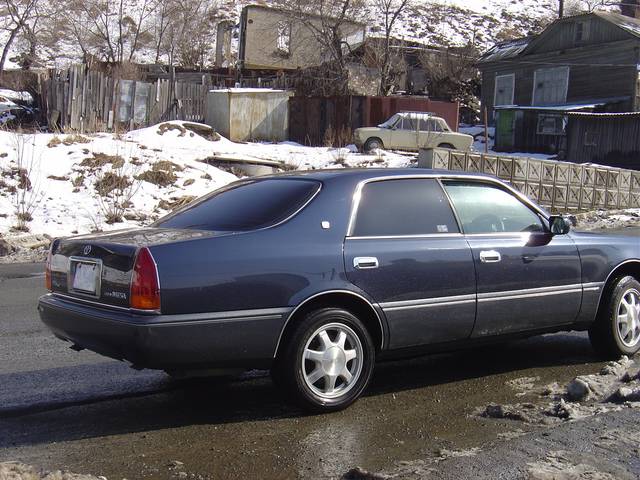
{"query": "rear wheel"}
{"type": "Point", "coordinates": [373, 144]}
{"type": "Point", "coordinates": [328, 360]}
{"type": "Point", "coordinates": [616, 331]}
{"type": "Point", "coordinates": [446, 145]}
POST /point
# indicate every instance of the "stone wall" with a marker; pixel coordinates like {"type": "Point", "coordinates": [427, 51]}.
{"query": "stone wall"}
{"type": "Point", "coordinates": [557, 186]}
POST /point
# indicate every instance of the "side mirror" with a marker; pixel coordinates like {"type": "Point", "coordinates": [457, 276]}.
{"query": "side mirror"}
{"type": "Point", "coordinates": [559, 225]}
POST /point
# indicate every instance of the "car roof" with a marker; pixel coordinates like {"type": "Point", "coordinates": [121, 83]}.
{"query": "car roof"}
{"type": "Point", "coordinates": [408, 113]}
{"type": "Point", "coordinates": [358, 174]}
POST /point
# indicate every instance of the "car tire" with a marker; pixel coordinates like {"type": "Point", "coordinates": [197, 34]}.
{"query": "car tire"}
{"type": "Point", "coordinates": [616, 330]}
{"type": "Point", "coordinates": [447, 145]}
{"type": "Point", "coordinates": [373, 143]}
{"type": "Point", "coordinates": [327, 361]}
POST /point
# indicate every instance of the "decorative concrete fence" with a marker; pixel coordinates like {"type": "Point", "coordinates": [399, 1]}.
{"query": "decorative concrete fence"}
{"type": "Point", "coordinates": [557, 186]}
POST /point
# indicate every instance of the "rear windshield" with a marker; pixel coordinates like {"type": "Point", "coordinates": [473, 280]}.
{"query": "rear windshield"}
{"type": "Point", "coordinates": [243, 206]}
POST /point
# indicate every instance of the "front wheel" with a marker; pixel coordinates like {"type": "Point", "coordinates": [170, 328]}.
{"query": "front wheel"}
{"type": "Point", "coordinates": [616, 331]}
{"type": "Point", "coordinates": [373, 144]}
{"type": "Point", "coordinates": [328, 360]}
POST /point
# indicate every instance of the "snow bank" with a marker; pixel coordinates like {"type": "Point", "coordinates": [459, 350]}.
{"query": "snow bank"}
{"type": "Point", "coordinates": [166, 164]}
{"type": "Point", "coordinates": [13, 95]}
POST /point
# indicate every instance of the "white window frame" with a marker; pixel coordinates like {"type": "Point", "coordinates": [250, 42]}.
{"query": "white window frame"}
{"type": "Point", "coordinates": [566, 83]}
{"type": "Point", "coordinates": [558, 119]}
{"type": "Point", "coordinates": [513, 88]}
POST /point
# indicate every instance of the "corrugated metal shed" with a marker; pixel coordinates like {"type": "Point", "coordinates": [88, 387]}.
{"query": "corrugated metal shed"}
{"type": "Point", "coordinates": [605, 138]}
{"type": "Point", "coordinates": [242, 114]}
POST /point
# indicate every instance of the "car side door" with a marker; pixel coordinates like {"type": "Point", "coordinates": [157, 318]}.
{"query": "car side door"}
{"type": "Point", "coordinates": [430, 133]}
{"type": "Point", "coordinates": [405, 134]}
{"type": "Point", "coordinates": [528, 279]}
{"type": "Point", "coordinates": [405, 250]}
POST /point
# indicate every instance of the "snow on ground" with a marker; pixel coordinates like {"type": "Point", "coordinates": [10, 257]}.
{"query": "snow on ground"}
{"type": "Point", "coordinates": [160, 166]}
{"type": "Point", "coordinates": [13, 95]}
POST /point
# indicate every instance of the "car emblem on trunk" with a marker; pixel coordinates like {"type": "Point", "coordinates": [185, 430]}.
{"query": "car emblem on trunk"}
{"type": "Point", "coordinates": [87, 249]}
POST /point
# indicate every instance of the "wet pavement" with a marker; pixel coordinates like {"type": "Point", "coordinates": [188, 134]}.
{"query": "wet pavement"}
{"type": "Point", "coordinates": [60, 409]}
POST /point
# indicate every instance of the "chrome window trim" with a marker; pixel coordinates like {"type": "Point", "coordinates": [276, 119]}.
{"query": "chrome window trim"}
{"type": "Point", "coordinates": [387, 237]}
{"type": "Point", "coordinates": [319, 294]}
{"type": "Point", "coordinates": [357, 193]}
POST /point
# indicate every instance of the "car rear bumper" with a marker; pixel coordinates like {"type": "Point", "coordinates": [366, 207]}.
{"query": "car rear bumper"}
{"type": "Point", "coordinates": [237, 339]}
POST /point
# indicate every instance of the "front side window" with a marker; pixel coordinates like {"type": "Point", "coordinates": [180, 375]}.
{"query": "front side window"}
{"type": "Point", "coordinates": [406, 124]}
{"type": "Point", "coordinates": [403, 207]}
{"type": "Point", "coordinates": [244, 206]}
{"type": "Point", "coordinates": [483, 208]}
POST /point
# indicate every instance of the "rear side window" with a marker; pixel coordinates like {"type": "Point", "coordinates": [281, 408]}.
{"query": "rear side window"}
{"type": "Point", "coordinates": [403, 207]}
{"type": "Point", "coordinates": [244, 206]}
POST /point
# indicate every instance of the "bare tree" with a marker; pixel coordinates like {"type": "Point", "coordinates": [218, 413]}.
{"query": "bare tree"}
{"type": "Point", "coordinates": [15, 15]}
{"type": "Point", "coordinates": [452, 75]}
{"type": "Point", "coordinates": [185, 31]}
{"type": "Point", "coordinates": [390, 10]}
{"type": "Point", "coordinates": [329, 22]}
{"type": "Point", "coordinates": [113, 30]}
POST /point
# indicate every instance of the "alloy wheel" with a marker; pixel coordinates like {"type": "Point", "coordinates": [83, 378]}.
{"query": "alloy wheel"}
{"type": "Point", "coordinates": [628, 318]}
{"type": "Point", "coordinates": [332, 360]}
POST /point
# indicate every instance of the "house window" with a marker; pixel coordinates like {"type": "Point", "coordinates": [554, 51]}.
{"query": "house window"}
{"type": "Point", "coordinates": [550, 86]}
{"type": "Point", "coordinates": [551, 124]}
{"type": "Point", "coordinates": [581, 32]}
{"type": "Point", "coordinates": [283, 43]}
{"type": "Point", "coordinates": [504, 89]}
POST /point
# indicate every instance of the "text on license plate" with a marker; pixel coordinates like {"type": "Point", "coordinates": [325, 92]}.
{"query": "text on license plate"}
{"type": "Point", "coordinates": [85, 277]}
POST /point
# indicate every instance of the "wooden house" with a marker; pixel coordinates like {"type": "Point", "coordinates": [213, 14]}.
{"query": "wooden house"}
{"type": "Point", "coordinates": [587, 63]}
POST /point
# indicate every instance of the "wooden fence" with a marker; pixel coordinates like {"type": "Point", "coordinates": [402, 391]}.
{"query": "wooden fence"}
{"type": "Point", "coordinates": [88, 100]}
{"type": "Point", "coordinates": [558, 186]}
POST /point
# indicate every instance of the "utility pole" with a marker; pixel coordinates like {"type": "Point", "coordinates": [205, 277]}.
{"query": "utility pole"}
{"type": "Point", "coordinates": [560, 8]}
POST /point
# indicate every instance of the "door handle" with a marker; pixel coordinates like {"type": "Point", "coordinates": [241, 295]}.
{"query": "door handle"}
{"type": "Point", "coordinates": [490, 256]}
{"type": "Point", "coordinates": [362, 263]}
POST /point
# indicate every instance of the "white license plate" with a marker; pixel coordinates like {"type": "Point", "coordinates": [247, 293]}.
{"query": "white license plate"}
{"type": "Point", "coordinates": [85, 277]}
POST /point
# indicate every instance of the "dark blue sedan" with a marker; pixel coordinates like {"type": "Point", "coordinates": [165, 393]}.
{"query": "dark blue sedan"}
{"type": "Point", "coordinates": [316, 275]}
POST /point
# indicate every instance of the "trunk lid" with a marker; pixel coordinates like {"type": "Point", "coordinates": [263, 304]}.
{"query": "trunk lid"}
{"type": "Point", "coordinates": [99, 267]}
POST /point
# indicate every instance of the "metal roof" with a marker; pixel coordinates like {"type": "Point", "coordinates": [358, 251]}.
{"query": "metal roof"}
{"type": "Point", "coordinates": [505, 50]}
{"type": "Point", "coordinates": [565, 107]}
{"type": "Point", "coordinates": [514, 48]}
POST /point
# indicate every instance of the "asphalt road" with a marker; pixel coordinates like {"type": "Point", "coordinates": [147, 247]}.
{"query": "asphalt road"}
{"type": "Point", "coordinates": [61, 409]}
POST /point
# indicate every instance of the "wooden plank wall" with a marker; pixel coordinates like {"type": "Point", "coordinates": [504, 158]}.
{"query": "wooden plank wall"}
{"type": "Point", "coordinates": [84, 100]}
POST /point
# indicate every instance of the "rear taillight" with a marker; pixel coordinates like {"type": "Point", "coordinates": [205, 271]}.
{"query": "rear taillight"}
{"type": "Point", "coordinates": [47, 270]}
{"type": "Point", "coordinates": [145, 288]}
